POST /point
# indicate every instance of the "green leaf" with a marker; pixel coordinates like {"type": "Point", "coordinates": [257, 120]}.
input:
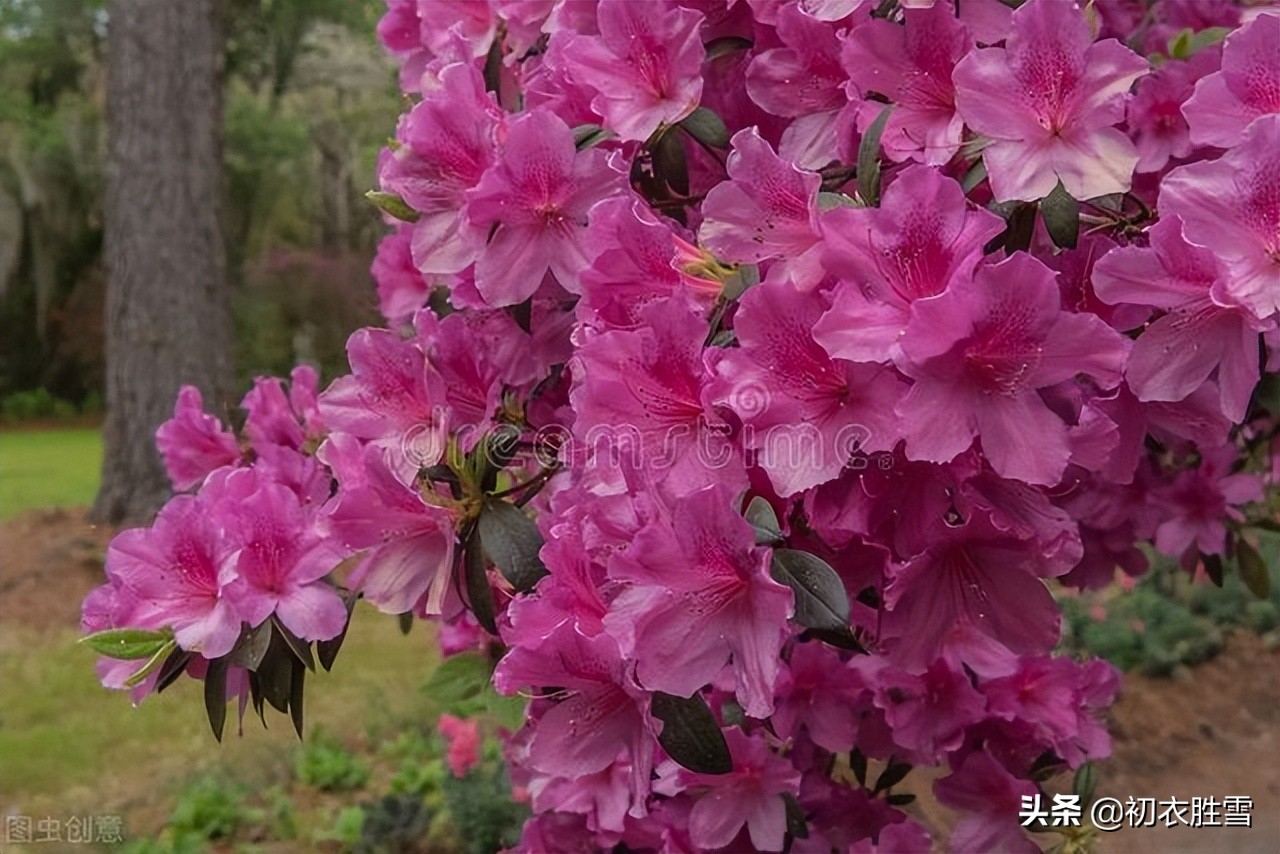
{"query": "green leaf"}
{"type": "Point", "coordinates": [1208, 37]}
{"type": "Point", "coordinates": [858, 764]}
{"type": "Point", "coordinates": [512, 541]}
{"type": "Point", "coordinates": [275, 674]}
{"type": "Point", "coordinates": [975, 176]}
{"type": "Point", "coordinates": [215, 695]}
{"type": "Point", "coordinates": [327, 650]}
{"type": "Point", "coordinates": [298, 678]}
{"type": "Point", "coordinates": [1213, 568]}
{"type": "Point", "coordinates": [127, 644]}
{"type": "Point", "coordinates": [588, 136]}
{"type": "Point", "coordinates": [744, 277]}
{"type": "Point", "coordinates": [405, 622]}
{"type": "Point", "coordinates": [1021, 226]}
{"type": "Point", "coordinates": [1061, 214]}
{"type": "Point", "coordinates": [726, 45]}
{"type": "Point", "coordinates": [893, 774]}
{"type": "Point", "coordinates": [174, 666]}
{"type": "Point", "coordinates": [457, 680]}
{"type": "Point", "coordinates": [797, 821]}
{"type": "Point", "coordinates": [1084, 783]}
{"type": "Point", "coordinates": [821, 600]}
{"type": "Point", "coordinates": [300, 649]}
{"type": "Point", "coordinates": [830, 201]}
{"type": "Point", "coordinates": [393, 205]}
{"type": "Point", "coordinates": [161, 654]}
{"type": "Point", "coordinates": [479, 593]}
{"type": "Point", "coordinates": [669, 163]}
{"type": "Point", "coordinates": [869, 160]}
{"type": "Point", "coordinates": [841, 638]}
{"type": "Point", "coordinates": [1180, 45]}
{"type": "Point", "coordinates": [706, 127]}
{"type": "Point", "coordinates": [252, 646]}
{"type": "Point", "coordinates": [763, 521]}
{"type": "Point", "coordinates": [690, 734]}
{"type": "Point", "coordinates": [1253, 569]}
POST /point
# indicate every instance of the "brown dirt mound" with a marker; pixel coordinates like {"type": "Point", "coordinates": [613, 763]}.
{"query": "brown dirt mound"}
{"type": "Point", "coordinates": [49, 560]}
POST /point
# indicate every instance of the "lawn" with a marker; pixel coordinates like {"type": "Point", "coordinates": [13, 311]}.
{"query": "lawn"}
{"type": "Point", "coordinates": [48, 468]}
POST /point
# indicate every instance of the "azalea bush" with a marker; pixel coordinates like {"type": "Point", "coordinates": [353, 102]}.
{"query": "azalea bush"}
{"type": "Point", "coordinates": [753, 373]}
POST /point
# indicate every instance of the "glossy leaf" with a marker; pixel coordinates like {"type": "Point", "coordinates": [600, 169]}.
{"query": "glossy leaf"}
{"type": "Point", "coordinates": [821, 600]}
{"type": "Point", "coordinates": [690, 734]}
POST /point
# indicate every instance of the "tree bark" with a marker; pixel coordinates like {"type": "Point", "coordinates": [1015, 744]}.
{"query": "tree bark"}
{"type": "Point", "coordinates": [168, 304]}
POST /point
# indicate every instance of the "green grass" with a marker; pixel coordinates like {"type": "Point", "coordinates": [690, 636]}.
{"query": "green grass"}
{"type": "Point", "coordinates": [48, 468]}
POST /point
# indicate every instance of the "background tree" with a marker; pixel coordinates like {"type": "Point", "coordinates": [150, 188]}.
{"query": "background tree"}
{"type": "Point", "coordinates": [168, 318]}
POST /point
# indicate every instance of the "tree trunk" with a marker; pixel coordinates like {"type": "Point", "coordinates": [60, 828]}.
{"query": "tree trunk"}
{"type": "Point", "coordinates": [168, 304]}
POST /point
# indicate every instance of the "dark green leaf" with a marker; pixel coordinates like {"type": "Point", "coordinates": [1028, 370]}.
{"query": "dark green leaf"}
{"type": "Point", "coordinates": [1084, 783]}
{"type": "Point", "coordinates": [726, 45]}
{"type": "Point", "coordinates": [821, 600]}
{"type": "Point", "coordinates": [512, 541]}
{"type": "Point", "coordinates": [1021, 226]}
{"type": "Point", "coordinates": [393, 205]}
{"type": "Point", "coordinates": [275, 674]}
{"type": "Point", "coordinates": [405, 622]}
{"type": "Point", "coordinates": [869, 160]}
{"type": "Point", "coordinates": [797, 821]}
{"type": "Point", "coordinates": [127, 644]}
{"type": "Point", "coordinates": [1061, 214]}
{"type": "Point", "coordinates": [215, 695]}
{"type": "Point", "coordinates": [1267, 525]}
{"type": "Point", "coordinates": [1253, 569]}
{"type": "Point", "coordinates": [136, 678]}
{"type": "Point", "coordinates": [1213, 568]}
{"type": "Point", "coordinates": [479, 593]}
{"type": "Point", "coordinates": [297, 680]}
{"type": "Point", "coordinates": [690, 734]}
{"type": "Point", "coordinates": [458, 680]}
{"type": "Point", "coordinates": [669, 163]}
{"type": "Point", "coordinates": [841, 638]}
{"type": "Point", "coordinates": [493, 67]}
{"type": "Point", "coordinates": [901, 799]}
{"type": "Point", "coordinates": [300, 649]}
{"type": "Point", "coordinates": [763, 521]}
{"type": "Point", "coordinates": [174, 666]}
{"type": "Point", "coordinates": [327, 650]}
{"type": "Point", "coordinates": [858, 764]}
{"type": "Point", "coordinates": [976, 175]}
{"type": "Point", "coordinates": [495, 452]}
{"type": "Point", "coordinates": [893, 774]}
{"type": "Point", "coordinates": [587, 136]}
{"type": "Point", "coordinates": [706, 127]}
{"type": "Point", "coordinates": [251, 646]}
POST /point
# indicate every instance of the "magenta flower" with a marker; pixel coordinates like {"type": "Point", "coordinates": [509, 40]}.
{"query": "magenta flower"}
{"type": "Point", "coordinates": [449, 139]}
{"type": "Point", "coordinates": [701, 595]}
{"type": "Point", "coordinates": [978, 354]}
{"type": "Point", "coordinates": [1155, 118]}
{"type": "Point", "coordinates": [644, 66]}
{"type": "Point", "coordinates": [928, 712]}
{"type": "Point", "coordinates": [402, 287]}
{"type": "Point", "coordinates": [768, 209]}
{"type": "Point", "coordinates": [804, 413]}
{"type": "Point", "coordinates": [1179, 277]}
{"type": "Point", "coordinates": [990, 798]}
{"type": "Point", "coordinates": [1248, 86]}
{"type": "Point", "coordinates": [818, 693]}
{"type": "Point", "coordinates": [193, 443]}
{"type": "Point", "coordinates": [1232, 205]}
{"type": "Point", "coordinates": [391, 398]}
{"type": "Point", "coordinates": [911, 65]}
{"type": "Point", "coordinates": [408, 543]}
{"type": "Point", "coordinates": [922, 238]}
{"type": "Point", "coordinates": [749, 796]}
{"type": "Point", "coordinates": [534, 205]}
{"type": "Point", "coordinates": [1199, 502]}
{"type": "Point", "coordinates": [279, 561]}
{"type": "Point", "coordinates": [1049, 102]}
{"type": "Point", "coordinates": [176, 576]}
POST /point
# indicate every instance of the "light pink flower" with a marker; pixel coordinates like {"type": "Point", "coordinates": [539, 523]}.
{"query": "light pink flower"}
{"type": "Point", "coordinates": [1248, 86]}
{"type": "Point", "coordinates": [1049, 101]}
{"type": "Point", "coordinates": [193, 443]}
{"type": "Point", "coordinates": [463, 738]}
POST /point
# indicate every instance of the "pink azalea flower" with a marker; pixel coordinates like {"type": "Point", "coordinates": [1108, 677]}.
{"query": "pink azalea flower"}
{"type": "Point", "coordinates": [930, 711]}
{"type": "Point", "coordinates": [978, 355]}
{"type": "Point", "coordinates": [1155, 118]}
{"type": "Point", "coordinates": [1199, 502]}
{"type": "Point", "coordinates": [803, 412]}
{"type": "Point", "coordinates": [534, 205]}
{"type": "Point", "coordinates": [768, 209]}
{"type": "Point", "coordinates": [748, 796]}
{"type": "Point", "coordinates": [1049, 101]}
{"type": "Point", "coordinates": [279, 561]}
{"type": "Point", "coordinates": [599, 715]}
{"type": "Point", "coordinates": [193, 443]}
{"type": "Point", "coordinates": [921, 240]}
{"type": "Point", "coordinates": [990, 798]}
{"type": "Point", "coordinates": [802, 81]}
{"type": "Point", "coordinates": [1043, 692]}
{"type": "Point", "coordinates": [402, 287]}
{"type": "Point", "coordinates": [449, 140]}
{"type": "Point", "coordinates": [1248, 86]}
{"type": "Point", "coordinates": [1177, 353]}
{"type": "Point", "coordinates": [973, 596]}
{"type": "Point", "coordinates": [644, 65]}
{"type": "Point", "coordinates": [818, 692]}
{"type": "Point", "coordinates": [701, 595]}
{"type": "Point", "coordinates": [408, 542]}
{"type": "Point", "coordinates": [463, 738]}
{"type": "Point", "coordinates": [390, 398]}
{"type": "Point", "coordinates": [174, 572]}
{"type": "Point", "coordinates": [1232, 205]}
{"type": "Point", "coordinates": [911, 65]}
